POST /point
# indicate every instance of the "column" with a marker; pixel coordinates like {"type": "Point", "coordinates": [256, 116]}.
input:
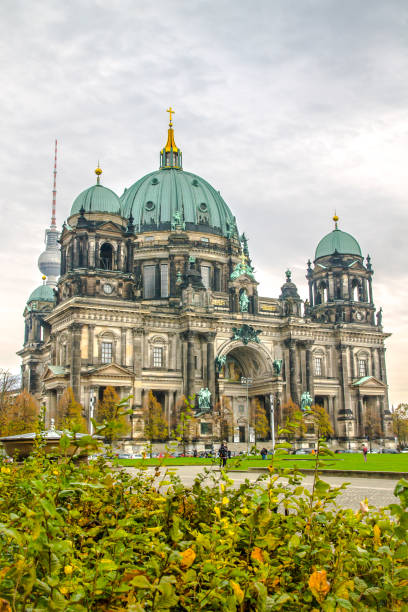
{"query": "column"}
{"type": "Point", "coordinates": [75, 378]}
{"type": "Point", "coordinates": [190, 364]}
{"type": "Point", "coordinates": [137, 350]}
{"type": "Point", "coordinates": [211, 365]}
{"type": "Point", "coordinates": [352, 368]}
{"type": "Point", "coordinates": [291, 344]}
{"type": "Point", "coordinates": [333, 416]}
{"type": "Point", "coordinates": [374, 363]}
{"type": "Point", "coordinates": [309, 369]}
{"type": "Point", "coordinates": [360, 421]}
{"type": "Point", "coordinates": [383, 371]}
{"type": "Point", "coordinates": [123, 346]}
{"type": "Point", "coordinates": [370, 290]}
{"type": "Point", "coordinates": [91, 331]}
{"type": "Point", "coordinates": [344, 376]}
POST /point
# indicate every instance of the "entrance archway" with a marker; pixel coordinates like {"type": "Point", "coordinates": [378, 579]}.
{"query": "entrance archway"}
{"type": "Point", "coordinates": [244, 386]}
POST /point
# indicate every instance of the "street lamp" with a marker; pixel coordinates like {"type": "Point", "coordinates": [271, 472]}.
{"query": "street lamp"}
{"type": "Point", "coordinates": [349, 428]}
{"type": "Point", "coordinates": [247, 381]}
{"type": "Point", "coordinates": [271, 402]}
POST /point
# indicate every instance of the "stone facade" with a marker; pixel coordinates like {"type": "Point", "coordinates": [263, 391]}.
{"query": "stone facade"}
{"type": "Point", "coordinates": [174, 310]}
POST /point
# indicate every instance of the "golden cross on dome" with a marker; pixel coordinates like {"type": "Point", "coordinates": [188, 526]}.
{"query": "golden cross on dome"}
{"type": "Point", "coordinates": [171, 112]}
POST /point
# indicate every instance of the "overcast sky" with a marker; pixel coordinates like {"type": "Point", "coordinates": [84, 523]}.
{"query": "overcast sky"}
{"type": "Point", "coordinates": [291, 108]}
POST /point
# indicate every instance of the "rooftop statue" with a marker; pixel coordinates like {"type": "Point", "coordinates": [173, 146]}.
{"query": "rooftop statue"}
{"type": "Point", "coordinates": [242, 268]}
{"type": "Point", "coordinates": [243, 302]}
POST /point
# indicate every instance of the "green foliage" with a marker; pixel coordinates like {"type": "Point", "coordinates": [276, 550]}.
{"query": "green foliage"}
{"type": "Point", "coordinates": [81, 537]}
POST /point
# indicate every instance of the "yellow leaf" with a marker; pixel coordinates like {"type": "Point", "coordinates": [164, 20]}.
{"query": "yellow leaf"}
{"type": "Point", "coordinates": [225, 501]}
{"type": "Point", "coordinates": [187, 558]}
{"type": "Point", "coordinates": [319, 585]}
{"type": "Point", "coordinates": [238, 592]}
{"type": "Point", "coordinates": [377, 535]}
{"type": "Point", "coordinates": [256, 555]}
{"type": "Point", "coordinates": [68, 569]}
{"type": "Point", "coordinates": [217, 511]}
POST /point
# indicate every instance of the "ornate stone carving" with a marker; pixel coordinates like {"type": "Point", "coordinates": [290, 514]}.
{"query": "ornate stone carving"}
{"type": "Point", "coordinates": [246, 334]}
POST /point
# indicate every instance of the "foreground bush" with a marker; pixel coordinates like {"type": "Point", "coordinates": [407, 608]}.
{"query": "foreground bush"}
{"type": "Point", "coordinates": [92, 537]}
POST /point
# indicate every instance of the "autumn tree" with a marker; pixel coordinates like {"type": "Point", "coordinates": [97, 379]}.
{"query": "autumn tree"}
{"type": "Point", "coordinates": [185, 429]}
{"type": "Point", "coordinates": [70, 412]}
{"type": "Point", "coordinates": [400, 424]}
{"type": "Point", "coordinates": [259, 420]}
{"type": "Point", "coordinates": [19, 415]}
{"type": "Point", "coordinates": [222, 419]}
{"type": "Point", "coordinates": [155, 423]}
{"type": "Point", "coordinates": [108, 410]}
{"type": "Point", "coordinates": [9, 384]}
{"type": "Point", "coordinates": [372, 423]}
{"type": "Point", "coordinates": [291, 420]}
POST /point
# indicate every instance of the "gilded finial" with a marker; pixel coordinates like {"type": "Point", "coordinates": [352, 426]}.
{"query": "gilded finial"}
{"type": "Point", "coordinates": [98, 172]}
{"type": "Point", "coordinates": [171, 112]}
{"type": "Point", "coordinates": [335, 219]}
{"type": "Point", "coordinates": [44, 278]}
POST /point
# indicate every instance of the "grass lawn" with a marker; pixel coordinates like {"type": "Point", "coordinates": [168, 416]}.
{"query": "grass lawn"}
{"type": "Point", "coordinates": [376, 463]}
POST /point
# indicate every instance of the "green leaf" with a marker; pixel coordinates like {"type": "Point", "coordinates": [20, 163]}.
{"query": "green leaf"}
{"type": "Point", "coordinates": [140, 582]}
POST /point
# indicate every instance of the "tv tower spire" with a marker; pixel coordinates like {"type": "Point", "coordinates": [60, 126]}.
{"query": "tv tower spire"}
{"type": "Point", "coordinates": [49, 261]}
{"type": "Point", "coordinates": [54, 190]}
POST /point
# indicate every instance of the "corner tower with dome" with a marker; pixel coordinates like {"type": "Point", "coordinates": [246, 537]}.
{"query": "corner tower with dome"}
{"type": "Point", "coordinates": [157, 292]}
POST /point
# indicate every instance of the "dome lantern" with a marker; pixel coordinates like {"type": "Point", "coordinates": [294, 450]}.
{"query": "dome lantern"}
{"type": "Point", "coordinates": [339, 242]}
{"type": "Point", "coordinates": [170, 155]}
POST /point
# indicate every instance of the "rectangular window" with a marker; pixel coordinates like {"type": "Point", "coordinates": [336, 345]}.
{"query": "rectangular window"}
{"type": "Point", "coordinates": [205, 275]}
{"type": "Point", "coordinates": [318, 366]}
{"type": "Point", "coordinates": [106, 352]}
{"type": "Point", "coordinates": [149, 273]}
{"type": "Point", "coordinates": [362, 368]}
{"type": "Point", "coordinates": [203, 239]}
{"type": "Point", "coordinates": [206, 429]}
{"type": "Point", "coordinates": [157, 357]}
{"type": "Point", "coordinates": [164, 280]}
{"type": "Point", "coordinates": [148, 238]}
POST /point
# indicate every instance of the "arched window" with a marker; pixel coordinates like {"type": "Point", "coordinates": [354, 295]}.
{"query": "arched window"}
{"type": "Point", "coordinates": [355, 290]}
{"type": "Point", "coordinates": [106, 256]}
{"type": "Point", "coordinates": [322, 293]}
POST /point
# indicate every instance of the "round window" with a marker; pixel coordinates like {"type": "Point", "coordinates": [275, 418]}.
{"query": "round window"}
{"type": "Point", "coordinates": [195, 183]}
{"type": "Point", "coordinates": [149, 206]}
{"type": "Point", "coordinates": [155, 181]}
{"type": "Point", "coordinates": [203, 207]}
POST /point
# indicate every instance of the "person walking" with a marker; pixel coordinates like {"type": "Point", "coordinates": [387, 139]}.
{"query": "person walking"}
{"type": "Point", "coordinates": [264, 452]}
{"type": "Point", "coordinates": [223, 454]}
{"type": "Point", "coordinates": [365, 451]}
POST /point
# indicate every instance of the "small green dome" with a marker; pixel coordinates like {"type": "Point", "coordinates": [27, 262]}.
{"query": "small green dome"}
{"type": "Point", "coordinates": [97, 199]}
{"type": "Point", "coordinates": [338, 241]}
{"type": "Point", "coordinates": [173, 196]}
{"type": "Point", "coordinates": [43, 293]}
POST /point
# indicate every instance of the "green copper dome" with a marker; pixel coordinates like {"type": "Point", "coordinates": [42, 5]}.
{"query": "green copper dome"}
{"type": "Point", "coordinates": [338, 241]}
{"type": "Point", "coordinates": [97, 199]}
{"type": "Point", "coordinates": [171, 197]}
{"type": "Point", "coordinates": [43, 293]}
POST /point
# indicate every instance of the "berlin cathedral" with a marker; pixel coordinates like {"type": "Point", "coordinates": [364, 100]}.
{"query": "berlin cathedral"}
{"type": "Point", "coordinates": [155, 291]}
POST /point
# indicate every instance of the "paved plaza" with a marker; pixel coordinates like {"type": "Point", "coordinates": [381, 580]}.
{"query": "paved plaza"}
{"type": "Point", "coordinates": [378, 491]}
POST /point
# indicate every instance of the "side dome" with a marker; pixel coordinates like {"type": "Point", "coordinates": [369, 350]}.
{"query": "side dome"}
{"type": "Point", "coordinates": [338, 241]}
{"type": "Point", "coordinates": [43, 293]}
{"type": "Point", "coordinates": [171, 196]}
{"type": "Point", "coordinates": [96, 199]}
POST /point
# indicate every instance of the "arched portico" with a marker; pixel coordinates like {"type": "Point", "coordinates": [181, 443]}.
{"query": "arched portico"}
{"type": "Point", "coordinates": [244, 385]}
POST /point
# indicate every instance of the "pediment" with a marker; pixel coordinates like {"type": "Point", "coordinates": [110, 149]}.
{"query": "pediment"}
{"type": "Point", "coordinates": [53, 371]}
{"type": "Point", "coordinates": [369, 383]}
{"type": "Point", "coordinates": [109, 226]}
{"type": "Point", "coordinates": [110, 370]}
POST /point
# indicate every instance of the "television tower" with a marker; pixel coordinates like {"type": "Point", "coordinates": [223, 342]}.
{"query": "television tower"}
{"type": "Point", "coordinates": [49, 261]}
